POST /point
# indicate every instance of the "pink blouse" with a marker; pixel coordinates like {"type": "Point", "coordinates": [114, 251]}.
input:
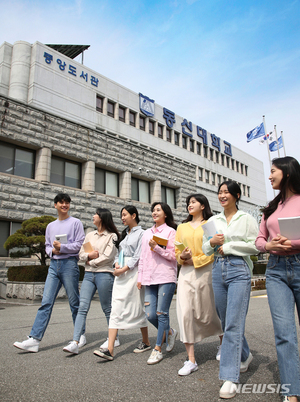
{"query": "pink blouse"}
{"type": "Point", "coordinates": [270, 228]}
{"type": "Point", "coordinates": [160, 265]}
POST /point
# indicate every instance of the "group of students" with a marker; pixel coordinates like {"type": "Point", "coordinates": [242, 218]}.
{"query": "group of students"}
{"type": "Point", "coordinates": [136, 278]}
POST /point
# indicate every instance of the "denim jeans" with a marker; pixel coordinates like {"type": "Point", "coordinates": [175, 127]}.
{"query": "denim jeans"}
{"type": "Point", "coordinates": [157, 304]}
{"type": "Point", "coordinates": [92, 281]}
{"type": "Point", "coordinates": [231, 281]}
{"type": "Point", "coordinates": [283, 289]}
{"type": "Point", "coordinates": [61, 272]}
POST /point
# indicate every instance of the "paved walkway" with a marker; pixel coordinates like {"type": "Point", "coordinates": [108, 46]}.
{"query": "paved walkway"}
{"type": "Point", "coordinates": [52, 375]}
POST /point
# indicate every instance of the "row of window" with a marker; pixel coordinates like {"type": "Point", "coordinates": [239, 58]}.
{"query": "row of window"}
{"type": "Point", "coordinates": [187, 143]}
{"type": "Point", "coordinates": [216, 179]}
{"type": "Point", "coordinates": [6, 229]}
{"type": "Point", "coordinates": [18, 161]}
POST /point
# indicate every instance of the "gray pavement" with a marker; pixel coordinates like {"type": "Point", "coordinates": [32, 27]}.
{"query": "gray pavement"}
{"type": "Point", "coordinates": [52, 375]}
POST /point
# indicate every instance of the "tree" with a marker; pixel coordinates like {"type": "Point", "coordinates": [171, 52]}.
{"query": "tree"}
{"type": "Point", "coordinates": [30, 239]}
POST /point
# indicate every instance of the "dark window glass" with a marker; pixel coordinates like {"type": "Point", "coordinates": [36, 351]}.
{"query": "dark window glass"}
{"type": "Point", "coordinates": [151, 127]}
{"type": "Point", "coordinates": [169, 135]}
{"type": "Point", "coordinates": [205, 151]}
{"type": "Point", "coordinates": [160, 131]}
{"type": "Point", "coordinates": [16, 160]}
{"type": "Point", "coordinates": [106, 182]}
{"type": "Point", "coordinates": [142, 123]}
{"type": "Point", "coordinates": [121, 113]}
{"type": "Point", "coordinates": [184, 142]}
{"type": "Point", "coordinates": [132, 118]}
{"type": "Point", "coordinates": [192, 145]}
{"type": "Point", "coordinates": [110, 109]}
{"type": "Point", "coordinates": [140, 190]}
{"type": "Point", "coordinates": [168, 195]}
{"type": "Point", "coordinates": [198, 148]}
{"type": "Point", "coordinates": [64, 172]}
{"type": "Point", "coordinates": [99, 104]}
{"type": "Point", "coordinates": [176, 138]}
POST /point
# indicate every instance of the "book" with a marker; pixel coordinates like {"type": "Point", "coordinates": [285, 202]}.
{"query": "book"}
{"type": "Point", "coordinates": [179, 245]}
{"type": "Point", "coordinates": [290, 227]}
{"type": "Point", "coordinates": [62, 238]}
{"type": "Point", "coordinates": [209, 229]}
{"type": "Point", "coordinates": [161, 241]}
{"type": "Point", "coordinates": [87, 247]}
{"type": "Point", "coordinates": [121, 259]}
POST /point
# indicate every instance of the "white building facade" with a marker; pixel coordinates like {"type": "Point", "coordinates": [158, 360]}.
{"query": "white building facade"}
{"type": "Point", "coordinates": [65, 127]}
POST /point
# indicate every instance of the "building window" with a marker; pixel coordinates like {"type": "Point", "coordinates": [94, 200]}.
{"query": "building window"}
{"type": "Point", "coordinates": [246, 170]}
{"type": "Point", "coordinates": [16, 160]}
{"type": "Point", "coordinates": [65, 172]}
{"type": "Point", "coordinates": [244, 189]}
{"type": "Point", "coordinates": [99, 103]}
{"type": "Point", "coordinates": [106, 182]}
{"type": "Point", "coordinates": [228, 161]}
{"type": "Point", "coordinates": [217, 157]}
{"type": "Point", "coordinates": [151, 127]}
{"type": "Point", "coordinates": [213, 179]}
{"type": "Point", "coordinates": [7, 229]}
{"type": "Point", "coordinates": [200, 173]}
{"type": "Point", "coordinates": [176, 138]}
{"type": "Point", "coordinates": [184, 142]}
{"type": "Point", "coordinates": [168, 195]}
{"type": "Point", "coordinates": [219, 179]}
{"type": "Point", "coordinates": [222, 159]}
{"type": "Point", "coordinates": [237, 166]}
{"type": "Point", "coordinates": [169, 135]}
{"type": "Point", "coordinates": [205, 151]}
{"type": "Point", "coordinates": [198, 148]}
{"type": "Point", "coordinates": [206, 176]}
{"type": "Point", "coordinates": [110, 109]}
{"type": "Point", "coordinates": [211, 154]}
{"type": "Point", "coordinates": [132, 118]}
{"type": "Point", "coordinates": [242, 168]}
{"type": "Point", "coordinates": [142, 123]}
{"type": "Point", "coordinates": [122, 111]}
{"type": "Point", "coordinates": [160, 131]}
{"type": "Point", "coordinates": [232, 164]}
{"type": "Point", "coordinates": [192, 145]}
{"type": "Point", "coordinates": [140, 190]}
{"type": "Point", "coordinates": [248, 191]}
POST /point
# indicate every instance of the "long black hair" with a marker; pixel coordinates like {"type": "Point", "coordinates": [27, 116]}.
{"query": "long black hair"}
{"type": "Point", "coordinates": [290, 181]}
{"type": "Point", "coordinates": [206, 212]}
{"type": "Point", "coordinates": [131, 209]}
{"type": "Point", "coordinates": [234, 189]}
{"type": "Point", "coordinates": [169, 214]}
{"type": "Point", "coordinates": [107, 220]}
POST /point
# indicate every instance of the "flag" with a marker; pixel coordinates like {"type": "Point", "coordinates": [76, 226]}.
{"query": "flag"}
{"type": "Point", "coordinates": [275, 145]}
{"type": "Point", "coordinates": [265, 138]}
{"type": "Point", "coordinates": [257, 132]}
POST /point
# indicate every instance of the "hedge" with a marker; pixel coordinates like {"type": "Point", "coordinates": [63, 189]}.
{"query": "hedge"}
{"type": "Point", "coordinates": [32, 273]}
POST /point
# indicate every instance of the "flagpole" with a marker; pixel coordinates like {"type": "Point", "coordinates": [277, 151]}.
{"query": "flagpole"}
{"type": "Point", "coordinates": [283, 143]}
{"type": "Point", "coordinates": [268, 146]}
{"type": "Point", "coordinates": [276, 140]}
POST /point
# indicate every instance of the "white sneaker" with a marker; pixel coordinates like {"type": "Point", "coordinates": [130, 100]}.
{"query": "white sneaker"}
{"type": "Point", "coordinates": [286, 399]}
{"type": "Point", "coordinates": [188, 368]}
{"type": "Point", "coordinates": [228, 390]}
{"type": "Point", "coordinates": [104, 345]}
{"type": "Point", "coordinates": [72, 348]}
{"type": "Point", "coordinates": [218, 355]}
{"type": "Point", "coordinates": [155, 357]}
{"type": "Point", "coordinates": [31, 345]}
{"type": "Point", "coordinates": [244, 365]}
{"type": "Point", "coordinates": [171, 340]}
{"type": "Point", "coordinates": [82, 341]}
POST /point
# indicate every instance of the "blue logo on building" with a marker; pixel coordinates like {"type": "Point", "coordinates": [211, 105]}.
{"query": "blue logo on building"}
{"type": "Point", "coordinates": [146, 105]}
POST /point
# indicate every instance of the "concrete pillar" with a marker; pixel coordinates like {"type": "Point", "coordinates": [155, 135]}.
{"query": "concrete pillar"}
{"type": "Point", "coordinates": [105, 106]}
{"type": "Point", "coordinates": [125, 185]}
{"type": "Point", "coordinates": [20, 71]}
{"type": "Point", "coordinates": [155, 191]}
{"type": "Point", "coordinates": [43, 165]}
{"type": "Point", "coordinates": [117, 111]}
{"type": "Point", "coordinates": [88, 176]}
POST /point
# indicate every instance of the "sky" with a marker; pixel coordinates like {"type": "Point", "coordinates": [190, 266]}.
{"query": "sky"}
{"type": "Point", "coordinates": [221, 64]}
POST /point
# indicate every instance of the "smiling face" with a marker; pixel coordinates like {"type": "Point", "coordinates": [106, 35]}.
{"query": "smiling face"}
{"type": "Point", "coordinates": [62, 207]}
{"type": "Point", "coordinates": [128, 219]}
{"type": "Point", "coordinates": [275, 177]}
{"type": "Point", "coordinates": [195, 207]}
{"type": "Point", "coordinates": [226, 199]}
{"type": "Point", "coordinates": [158, 215]}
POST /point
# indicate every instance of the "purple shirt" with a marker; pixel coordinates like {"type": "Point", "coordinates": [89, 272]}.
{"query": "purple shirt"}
{"type": "Point", "coordinates": [160, 265]}
{"type": "Point", "coordinates": [73, 228]}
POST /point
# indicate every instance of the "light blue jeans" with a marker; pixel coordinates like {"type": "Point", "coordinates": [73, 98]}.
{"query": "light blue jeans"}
{"type": "Point", "coordinates": [61, 272]}
{"type": "Point", "coordinates": [231, 282]}
{"type": "Point", "coordinates": [157, 304]}
{"type": "Point", "coordinates": [283, 288]}
{"type": "Point", "coordinates": [92, 281]}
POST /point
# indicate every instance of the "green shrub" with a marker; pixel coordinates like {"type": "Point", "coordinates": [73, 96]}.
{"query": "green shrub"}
{"type": "Point", "coordinates": [259, 268]}
{"type": "Point", "coordinates": [32, 273]}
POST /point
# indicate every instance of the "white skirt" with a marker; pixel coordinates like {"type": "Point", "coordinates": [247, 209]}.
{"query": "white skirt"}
{"type": "Point", "coordinates": [127, 307]}
{"type": "Point", "coordinates": [195, 304]}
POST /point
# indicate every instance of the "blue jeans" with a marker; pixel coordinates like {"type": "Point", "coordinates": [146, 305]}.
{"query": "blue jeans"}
{"type": "Point", "coordinates": [283, 288]}
{"type": "Point", "coordinates": [157, 304]}
{"type": "Point", "coordinates": [92, 281]}
{"type": "Point", "coordinates": [231, 282]}
{"type": "Point", "coordinates": [61, 272]}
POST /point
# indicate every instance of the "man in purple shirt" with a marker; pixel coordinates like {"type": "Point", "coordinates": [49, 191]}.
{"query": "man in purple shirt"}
{"type": "Point", "coordinates": [63, 270]}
